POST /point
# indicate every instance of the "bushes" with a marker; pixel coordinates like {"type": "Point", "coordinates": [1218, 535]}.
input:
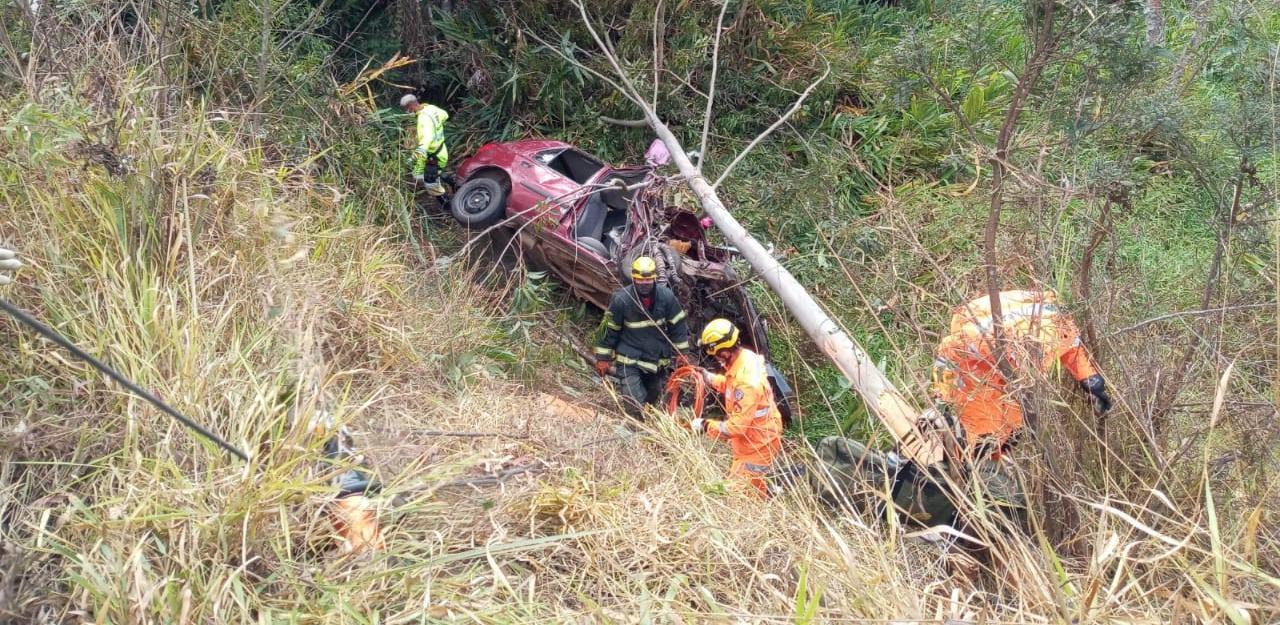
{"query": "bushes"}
{"type": "Point", "coordinates": [227, 249]}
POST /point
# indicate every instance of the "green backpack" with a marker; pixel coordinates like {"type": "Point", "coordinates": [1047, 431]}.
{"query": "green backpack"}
{"type": "Point", "coordinates": [849, 475]}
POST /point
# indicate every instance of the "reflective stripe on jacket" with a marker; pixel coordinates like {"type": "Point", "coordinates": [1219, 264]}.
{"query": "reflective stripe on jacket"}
{"type": "Point", "coordinates": [431, 119]}
{"type": "Point", "coordinates": [753, 428]}
{"type": "Point", "coordinates": [966, 375]}
{"type": "Point", "coordinates": [644, 337]}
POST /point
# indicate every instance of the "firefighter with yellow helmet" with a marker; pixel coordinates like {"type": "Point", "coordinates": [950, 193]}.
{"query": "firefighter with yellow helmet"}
{"type": "Point", "coordinates": [646, 331]}
{"type": "Point", "coordinates": [1038, 335]}
{"type": "Point", "coordinates": [753, 426]}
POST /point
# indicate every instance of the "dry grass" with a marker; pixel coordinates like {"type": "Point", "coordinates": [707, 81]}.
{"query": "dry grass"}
{"type": "Point", "coordinates": [226, 279]}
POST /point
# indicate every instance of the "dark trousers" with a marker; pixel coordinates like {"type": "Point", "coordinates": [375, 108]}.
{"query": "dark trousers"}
{"type": "Point", "coordinates": [431, 174]}
{"type": "Point", "coordinates": [639, 387]}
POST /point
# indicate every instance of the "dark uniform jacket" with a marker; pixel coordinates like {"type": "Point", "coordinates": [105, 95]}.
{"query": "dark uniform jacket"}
{"type": "Point", "coordinates": [643, 337]}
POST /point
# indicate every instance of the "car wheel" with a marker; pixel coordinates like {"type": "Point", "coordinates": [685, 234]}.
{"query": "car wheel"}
{"type": "Point", "coordinates": [479, 202]}
{"type": "Point", "coordinates": [595, 246]}
{"type": "Point", "coordinates": [667, 258]}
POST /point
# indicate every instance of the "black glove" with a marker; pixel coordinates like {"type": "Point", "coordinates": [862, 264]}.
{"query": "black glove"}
{"type": "Point", "coordinates": [356, 482]}
{"type": "Point", "coordinates": [1096, 387]}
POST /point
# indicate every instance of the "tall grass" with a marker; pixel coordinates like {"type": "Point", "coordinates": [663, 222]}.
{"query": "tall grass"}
{"type": "Point", "coordinates": [223, 303]}
{"type": "Point", "coordinates": [253, 286]}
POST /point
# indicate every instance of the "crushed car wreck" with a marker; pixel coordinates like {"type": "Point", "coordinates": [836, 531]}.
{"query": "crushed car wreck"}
{"type": "Point", "coordinates": [585, 221]}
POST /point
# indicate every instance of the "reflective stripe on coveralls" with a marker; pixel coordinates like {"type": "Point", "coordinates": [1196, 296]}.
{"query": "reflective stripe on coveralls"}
{"type": "Point", "coordinates": [644, 336]}
{"type": "Point", "coordinates": [966, 375]}
{"type": "Point", "coordinates": [753, 428]}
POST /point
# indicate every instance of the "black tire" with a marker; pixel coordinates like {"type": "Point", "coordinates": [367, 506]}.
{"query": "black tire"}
{"type": "Point", "coordinates": [479, 203]}
{"type": "Point", "coordinates": [595, 246]}
{"type": "Point", "coordinates": [782, 392]}
{"type": "Point", "coordinates": [667, 258]}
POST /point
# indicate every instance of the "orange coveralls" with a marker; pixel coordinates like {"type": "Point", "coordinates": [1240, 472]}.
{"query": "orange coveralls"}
{"type": "Point", "coordinates": [754, 426]}
{"type": "Point", "coordinates": [965, 373]}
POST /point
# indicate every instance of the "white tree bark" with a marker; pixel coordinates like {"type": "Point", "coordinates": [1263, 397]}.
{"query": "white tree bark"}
{"type": "Point", "coordinates": [881, 396]}
{"type": "Point", "coordinates": [916, 440]}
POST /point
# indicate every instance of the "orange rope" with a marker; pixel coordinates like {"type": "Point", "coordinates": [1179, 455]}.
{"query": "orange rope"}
{"type": "Point", "coordinates": [356, 521]}
{"type": "Point", "coordinates": [687, 373]}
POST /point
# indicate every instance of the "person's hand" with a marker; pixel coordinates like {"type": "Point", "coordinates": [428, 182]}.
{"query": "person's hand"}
{"type": "Point", "coordinates": [8, 262]}
{"type": "Point", "coordinates": [707, 376]}
{"type": "Point", "coordinates": [419, 179]}
{"type": "Point", "coordinates": [698, 425]}
{"type": "Point", "coordinates": [603, 366]}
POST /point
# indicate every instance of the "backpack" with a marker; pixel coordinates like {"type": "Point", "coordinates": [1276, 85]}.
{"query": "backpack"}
{"type": "Point", "coordinates": [852, 476]}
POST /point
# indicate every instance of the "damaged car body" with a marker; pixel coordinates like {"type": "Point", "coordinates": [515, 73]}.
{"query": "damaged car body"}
{"type": "Point", "coordinates": [585, 221]}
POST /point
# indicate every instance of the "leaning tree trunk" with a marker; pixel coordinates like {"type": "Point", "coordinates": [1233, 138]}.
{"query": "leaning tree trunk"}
{"type": "Point", "coordinates": [916, 440]}
{"type": "Point", "coordinates": [882, 398]}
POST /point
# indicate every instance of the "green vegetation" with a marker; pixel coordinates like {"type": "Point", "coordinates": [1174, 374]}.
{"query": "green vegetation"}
{"type": "Point", "coordinates": [201, 201]}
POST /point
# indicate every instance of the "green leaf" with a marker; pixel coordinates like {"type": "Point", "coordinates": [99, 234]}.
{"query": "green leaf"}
{"type": "Point", "coordinates": [975, 104]}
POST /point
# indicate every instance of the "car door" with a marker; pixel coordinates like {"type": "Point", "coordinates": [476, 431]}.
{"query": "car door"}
{"type": "Point", "coordinates": [540, 200]}
{"type": "Point", "coordinates": [589, 274]}
{"type": "Point", "coordinates": [539, 192]}
{"type": "Point", "coordinates": [585, 269]}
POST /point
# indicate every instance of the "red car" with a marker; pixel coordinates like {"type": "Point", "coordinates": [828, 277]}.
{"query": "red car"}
{"type": "Point", "coordinates": [585, 221]}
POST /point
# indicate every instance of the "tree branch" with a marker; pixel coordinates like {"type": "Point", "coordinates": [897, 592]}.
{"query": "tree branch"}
{"type": "Point", "coordinates": [1046, 42]}
{"type": "Point", "coordinates": [630, 91]}
{"type": "Point", "coordinates": [773, 127]}
{"type": "Point", "coordinates": [1169, 393]}
{"type": "Point", "coordinates": [1084, 276]}
{"type": "Point", "coordinates": [446, 433]}
{"type": "Point", "coordinates": [711, 92]}
{"type": "Point", "coordinates": [626, 93]}
{"type": "Point", "coordinates": [628, 123]}
{"type": "Point", "coordinates": [658, 18]}
{"type": "Point", "coordinates": [1188, 313]}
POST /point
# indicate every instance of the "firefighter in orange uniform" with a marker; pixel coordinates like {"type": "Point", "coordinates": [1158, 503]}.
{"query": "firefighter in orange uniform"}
{"type": "Point", "coordinates": [753, 428]}
{"type": "Point", "coordinates": [1038, 335]}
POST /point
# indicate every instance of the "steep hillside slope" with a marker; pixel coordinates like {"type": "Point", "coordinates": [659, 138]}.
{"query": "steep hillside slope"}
{"type": "Point", "coordinates": [209, 212]}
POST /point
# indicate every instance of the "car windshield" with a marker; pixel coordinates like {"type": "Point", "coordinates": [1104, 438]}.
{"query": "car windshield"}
{"type": "Point", "coordinates": [573, 164]}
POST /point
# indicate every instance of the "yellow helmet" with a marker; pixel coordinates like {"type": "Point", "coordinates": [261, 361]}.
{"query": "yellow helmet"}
{"type": "Point", "coordinates": [719, 334]}
{"type": "Point", "coordinates": [644, 268]}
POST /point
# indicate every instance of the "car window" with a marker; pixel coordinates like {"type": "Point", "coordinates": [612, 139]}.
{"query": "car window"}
{"type": "Point", "coordinates": [573, 164]}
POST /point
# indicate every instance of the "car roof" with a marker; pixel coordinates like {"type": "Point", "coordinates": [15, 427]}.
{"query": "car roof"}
{"type": "Point", "coordinates": [533, 146]}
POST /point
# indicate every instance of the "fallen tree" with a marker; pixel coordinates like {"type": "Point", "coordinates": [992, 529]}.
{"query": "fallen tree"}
{"type": "Point", "coordinates": [881, 396]}
{"type": "Point", "coordinates": [916, 438]}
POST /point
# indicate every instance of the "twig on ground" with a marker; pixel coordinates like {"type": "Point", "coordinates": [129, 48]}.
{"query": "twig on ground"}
{"type": "Point", "coordinates": [493, 479]}
{"type": "Point", "coordinates": [1189, 313]}
{"type": "Point", "coordinates": [467, 434]}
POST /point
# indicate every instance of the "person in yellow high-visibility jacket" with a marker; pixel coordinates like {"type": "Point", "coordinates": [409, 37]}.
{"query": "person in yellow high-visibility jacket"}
{"type": "Point", "coordinates": [753, 428]}
{"type": "Point", "coordinates": [431, 155]}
